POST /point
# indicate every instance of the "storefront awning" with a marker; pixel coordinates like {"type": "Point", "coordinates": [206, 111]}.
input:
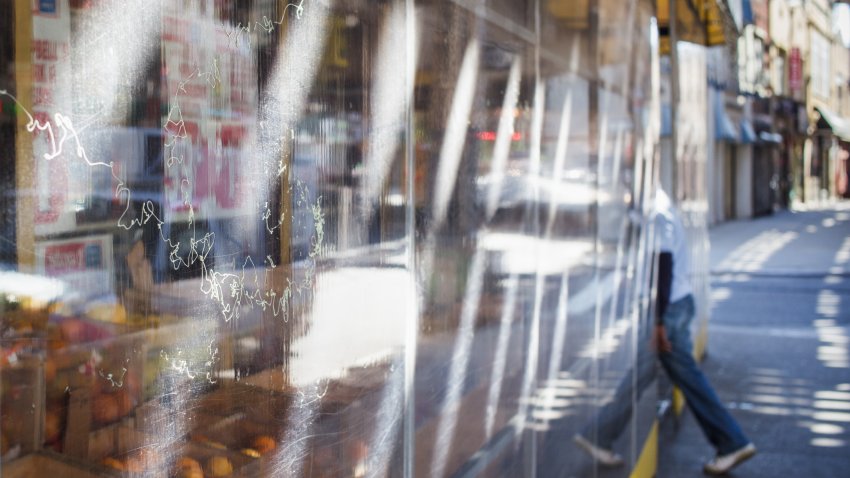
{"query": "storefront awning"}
{"type": "Point", "coordinates": [666, 121]}
{"type": "Point", "coordinates": [840, 126]}
{"type": "Point", "coordinates": [768, 137]}
{"type": "Point", "coordinates": [748, 134]}
{"type": "Point", "coordinates": [724, 128]}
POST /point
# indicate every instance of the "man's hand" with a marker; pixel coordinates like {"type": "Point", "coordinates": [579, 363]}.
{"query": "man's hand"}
{"type": "Point", "coordinates": [660, 342]}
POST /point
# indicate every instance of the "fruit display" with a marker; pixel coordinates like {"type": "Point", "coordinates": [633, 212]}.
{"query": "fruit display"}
{"type": "Point", "coordinates": [188, 468]}
{"type": "Point", "coordinates": [52, 426]}
{"type": "Point", "coordinates": [114, 463]}
{"type": "Point", "coordinates": [137, 460]}
{"type": "Point", "coordinates": [263, 444]}
{"type": "Point", "coordinates": [195, 461]}
{"type": "Point", "coordinates": [23, 316]}
{"type": "Point", "coordinates": [102, 375]}
{"type": "Point", "coordinates": [104, 409]}
{"type": "Point", "coordinates": [250, 452]}
{"type": "Point", "coordinates": [113, 313]}
{"type": "Point", "coordinates": [247, 437]}
{"type": "Point", "coordinates": [219, 466]}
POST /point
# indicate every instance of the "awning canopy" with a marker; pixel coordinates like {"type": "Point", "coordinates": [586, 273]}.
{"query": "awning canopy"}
{"type": "Point", "coordinates": [768, 137]}
{"type": "Point", "coordinates": [748, 134]}
{"type": "Point", "coordinates": [666, 121]}
{"type": "Point", "coordinates": [724, 128]}
{"type": "Point", "coordinates": [840, 126]}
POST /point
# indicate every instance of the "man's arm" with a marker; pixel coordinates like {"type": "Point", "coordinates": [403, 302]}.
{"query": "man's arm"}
{"type": "Point", "coordinates": [662, 299]}
{"type": "Point", "coordinates": [665, 284]}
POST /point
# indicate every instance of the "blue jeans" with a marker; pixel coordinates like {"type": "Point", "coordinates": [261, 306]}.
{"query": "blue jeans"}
{"type": "Point", "coordinates": [718, 425]}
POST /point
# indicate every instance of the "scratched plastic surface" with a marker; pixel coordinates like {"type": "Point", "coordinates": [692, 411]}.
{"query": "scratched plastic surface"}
{"type": "Point", "coordinates": [330, 238]}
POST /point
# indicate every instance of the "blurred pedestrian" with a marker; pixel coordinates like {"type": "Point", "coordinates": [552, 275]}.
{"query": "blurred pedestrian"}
{"type": "Point", "coordinates": [671, 342]}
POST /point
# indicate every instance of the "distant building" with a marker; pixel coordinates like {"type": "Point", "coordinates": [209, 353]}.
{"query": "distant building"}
{"type": "Point", "coordinates": [826, 124]}
{"type": "Point", "coordinates": [840, 100]}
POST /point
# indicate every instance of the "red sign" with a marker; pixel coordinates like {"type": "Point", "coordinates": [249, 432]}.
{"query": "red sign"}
{"type": "Point", "coordinates": [83, 264]}
{"type": "Point", "coordinates": [491, 136]}
{"type": "Point", "coordinates": [73, 256]}
{"type": "Point", "coordinates": [795, 71]}
{"type": "Point", "coordinates": [65, 258]}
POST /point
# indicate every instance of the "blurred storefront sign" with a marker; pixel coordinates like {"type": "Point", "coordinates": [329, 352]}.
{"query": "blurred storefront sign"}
{"type": "Point", "coordinates": [795, 72]}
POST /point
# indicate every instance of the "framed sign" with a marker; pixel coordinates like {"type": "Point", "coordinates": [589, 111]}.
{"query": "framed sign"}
{"type": "Point", "coordinates": [84, 264]}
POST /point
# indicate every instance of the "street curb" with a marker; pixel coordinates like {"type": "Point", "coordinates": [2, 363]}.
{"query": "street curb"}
{"type": "Point", "coordinates": [782, 273]}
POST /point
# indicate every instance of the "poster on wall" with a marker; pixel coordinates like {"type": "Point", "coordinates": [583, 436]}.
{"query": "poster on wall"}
{"type": "Point", "coordinates": [50, 49]}
{"type": "Point", "coordinates": [211, 80]}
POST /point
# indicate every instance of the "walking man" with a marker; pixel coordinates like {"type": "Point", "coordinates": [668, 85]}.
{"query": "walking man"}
{"type": "Point", "coordinates": [671, 341]}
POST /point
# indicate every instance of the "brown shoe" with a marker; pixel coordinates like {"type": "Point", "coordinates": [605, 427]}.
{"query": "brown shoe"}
{"type": "Point", "coordinates": [600, 455]}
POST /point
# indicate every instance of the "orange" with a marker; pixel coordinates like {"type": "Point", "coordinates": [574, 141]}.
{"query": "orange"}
{"type": "Point", "coordinates": [219, 466]}
{"type": "Point", "coordinates": [263, 444]}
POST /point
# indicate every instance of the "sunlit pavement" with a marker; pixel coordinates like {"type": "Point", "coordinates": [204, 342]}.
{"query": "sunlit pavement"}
{"type": "Point", "coordinates": [778, 347]}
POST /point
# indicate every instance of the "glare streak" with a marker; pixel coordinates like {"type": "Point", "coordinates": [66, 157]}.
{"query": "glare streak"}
{"type": "Point", "coordinates": [501, 358]}
{"type": "Point", "coordinates": [459, 363]}
{"type": "Point", "coordinates": [456, 132]}
{"type": "Point", "coordinates": [563, 137]}
{"type": "Point", "coordinates": [533, 337]}
{"type": "Point", "coordinates": [536, 130]}
{"type": "Point", "coordinates": [389, 102]}
{"type": "Point", "coordinates": [532, 350]}
{"type": "Point", "coordinates": [289, 86]}
{"type": "Point", "coordinates": [385, 435]}
{"type": "Point", "coordinates": [505, 131]}
{"type": "Point", "coordinates": [560, 333]}
{"type": "Point", "coordinates": [287, 460]}
{"type": "Point", "coordinates": [115, 46]}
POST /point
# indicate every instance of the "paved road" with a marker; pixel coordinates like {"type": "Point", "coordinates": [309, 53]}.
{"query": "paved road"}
{"type": "Point", "coordinates": [779, 346]}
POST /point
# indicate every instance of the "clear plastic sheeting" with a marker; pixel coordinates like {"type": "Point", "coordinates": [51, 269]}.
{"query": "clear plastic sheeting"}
{"type": "Point", "coordinates": [331, 238]}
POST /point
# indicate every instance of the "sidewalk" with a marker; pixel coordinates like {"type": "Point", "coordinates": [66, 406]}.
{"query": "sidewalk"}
{"type": "Point", "coordinates": [787, 243]}
{"type": "Point", "coordinates": [778, 346]}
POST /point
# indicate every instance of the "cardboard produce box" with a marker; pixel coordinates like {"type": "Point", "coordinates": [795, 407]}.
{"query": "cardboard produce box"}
{"type": "Point", "coordinates": [214, 463]}
{"type": "Point", "coordinates": [121, 449]}
{"type": "Point", "coordinates": [21, 405]}
{"type": "Point", "coordinates": [45, 464]}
